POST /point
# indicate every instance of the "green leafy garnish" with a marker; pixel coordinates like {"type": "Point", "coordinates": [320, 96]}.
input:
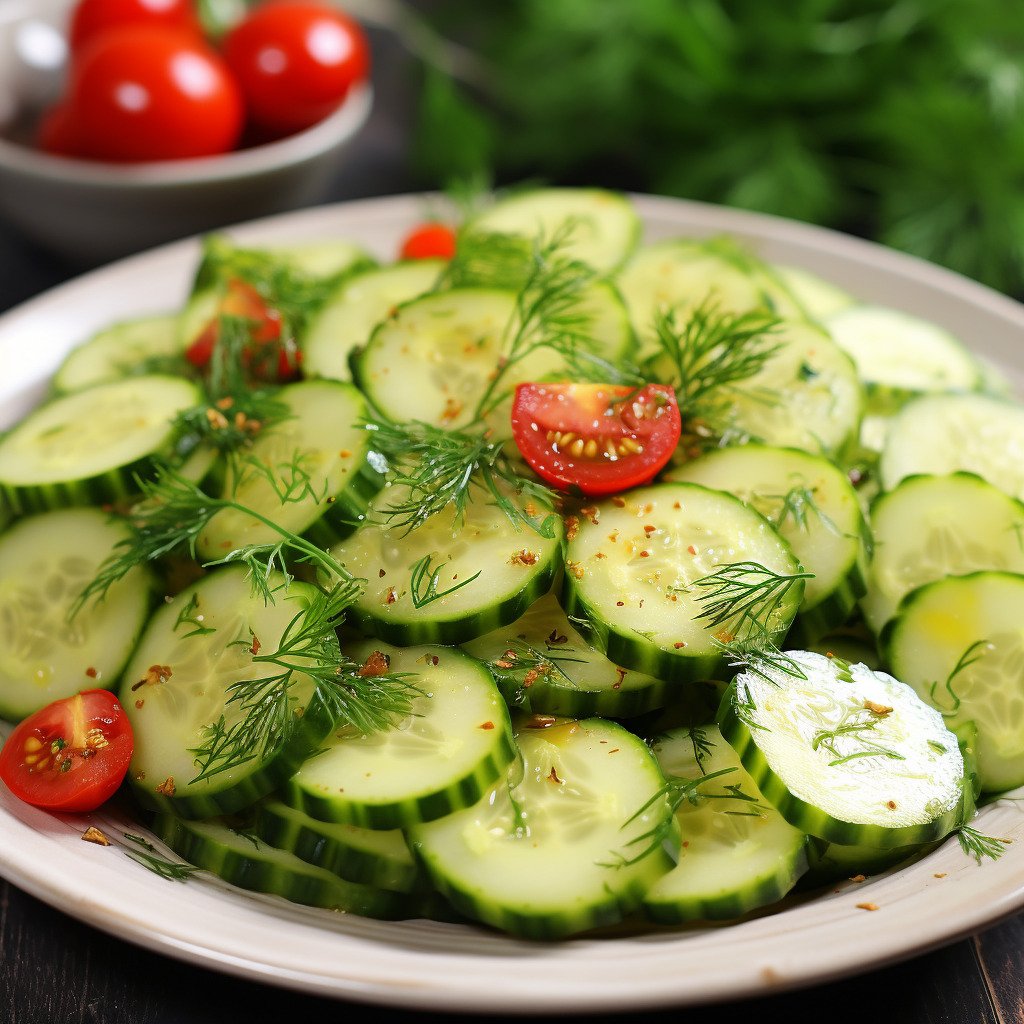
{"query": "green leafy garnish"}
{"type": "Point", "coordinates": [425, 579]}
{"type": "Point", "coordinates": [978, 845]}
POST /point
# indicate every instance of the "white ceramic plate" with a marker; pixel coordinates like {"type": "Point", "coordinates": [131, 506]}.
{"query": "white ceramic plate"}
{"type": "Point", "coordinates": [427, 965]}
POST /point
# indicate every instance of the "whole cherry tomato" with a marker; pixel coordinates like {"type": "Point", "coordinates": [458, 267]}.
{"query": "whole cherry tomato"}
{"type": "Point", "coordinates": [92, 18]}
{"type": "Point", "coordinates": [596, 439]}
{"type": "Point", "coordinates": [153, 94]}
{"type": "Point", "coordinates": [58, 133]}
{"type": "Point", "coordinates": [430, 240]}
{"type": "Point", "coordinates": [295, 62]}
{"type": "Point", "coordinates": [70, 755]}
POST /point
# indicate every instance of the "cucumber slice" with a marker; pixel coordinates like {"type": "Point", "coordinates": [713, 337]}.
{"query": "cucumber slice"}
{"type": "Point", "coordinates": [434, 358]}
{"type": "Point", "coordinates": [542, 664]}
{"type": "Point", "coordinates": [631, 567]}
{"type": "Point", "coordinates": [489, 571]}
{"type": "Point", "coordinates": [605, 227]}
{"type": "Point", "coordinates": [377, 857]}
{"type": "Point", "coordinates": [85, 448]}
{"type": "Point", "coordinates": [175, 688]}
{"type": "Point", "coordinates": [960, 643]}
{"type": "Point", "coordinates": [898, 355]}
{"type": "Point", "coordinates": [738, 853]}
{"type": "Point", "coordinates": [45, 655]}
{"type": "Point", "coordinates": [117, 351]}
{"type": "Point", "coordinates": [830, 862]}
{"type": "Point", "coordinates": [241, 858]}
{"type": "Point", "coordinates": [817, 297]}
{"type": "Point", "coordinates": [556, 848]}
{"type": "Point", "coordinates": [812, 505]}
{"type": "Point", "coordinates": [324, 438]}
{"type": "Point", "coordinates": [456, 741]}
{"type": "Point", "coordinates": [846, 754]}
{"type": "Point", "coordinates": [684, 273]}
{"type": "Point", "coordinates": [930, 527]}
{"type": "Point", "coordinates": [348, 318]}
{"type": "Point", "coordinates": [943, 433]}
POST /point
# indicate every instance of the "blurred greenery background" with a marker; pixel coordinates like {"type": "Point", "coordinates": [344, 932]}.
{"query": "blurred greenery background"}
{"type": "Point", "coordinates": [898, 120]}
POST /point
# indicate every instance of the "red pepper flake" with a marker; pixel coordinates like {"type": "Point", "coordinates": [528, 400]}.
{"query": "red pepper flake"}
{"type": "Point", "coordinates": [939, 874]}
{"type": "Point", "coordinates": [613, 536]}
{"type": "Point", "coordinates": [867, 906]}
{"type": "Point", "coordinates": [617, 685]}
{"type": "Point", "coordinates": [554, 637]}
{"type": "Point", "coordinates": [648, 529]}
{"type": "Point", "coordinates": [139, 704]}
{"type": "Point", "coordinates": [576, 570]}
{"type": "Point", "coordinates": [377, 664]}
{"type": "Point", "coordinates": [614, 750]}
{"type": "Point", "coordinates": [390, 597]}
{"type": "Point", "coordinates": [254, 648]}
{"type": "Point", "coordinates": [859, 878]}
{"type": "Point", "coordinates": [619, 502]}
{"type": "Point", "coordinates": [530, 509]}
{"type": "Point", "coordinates": [167, 787]}
{"type": "Point", "coordinates": [487, 725]}
{"type": "Point", "coordinates": [155, 675]}
{"type": "Point", "coordinates": [381, 574]}
{"type": "Point", "coordinates": [691, 549]}
{"type": "Point", "coordinates": [345, 453]}
{"type": "Point", "coordinates": [620, 604]}
{"type": "Point", "coordinates": [572, 527]}
{"type": "Point", "coordinates": [645, 554]}
{"type": "Point", "coordinates": [891, 804]}
{"type": "Point", "coordinates": [225, 403]}
{"type": "Point", "coordinates": [523, 557]}
{"type": "Point", "coordinates": [679, 645]}
{"type": "Point", "coordinates": [676, 505]}
{"type": "Point", "coordinates": [540, 721]}
{"type": "Point", "coordinates": [91, 672]}
{"type": "Point", "coordinates": [553, 776]}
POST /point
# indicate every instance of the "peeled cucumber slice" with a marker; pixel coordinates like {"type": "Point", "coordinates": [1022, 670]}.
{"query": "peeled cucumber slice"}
{"type": "Point", "coordinates": [847, 754]}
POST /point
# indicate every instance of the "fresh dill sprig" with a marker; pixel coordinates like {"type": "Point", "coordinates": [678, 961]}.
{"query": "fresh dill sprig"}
{"type": "Point", "coordinates": [425, 579]}
{"type": "Point", "coordinates": [742, 600]}
{"type": "Point", "coordinates": [855, 725]}
{"type": "Point", "coordinates": [978, 845]}
{"type": "Point", "coordinates": [309, 648]}
{"type": "Point", "coordinates": [702, 747]}
{"type": "Point", "coordinates": [711, 353]}
{"type": "Point", "coordinates": [974, 652]}
{"type": "Point", "coordinates": [189, 616]}
{"type": "Point", "coordinates": [799, 505]}
{"type": "Point", "coordinates": [173, 871]}
{"type": "Point", "coordinates": [173, 512]}
{"type": "Point", "coordinates": [436, 468]}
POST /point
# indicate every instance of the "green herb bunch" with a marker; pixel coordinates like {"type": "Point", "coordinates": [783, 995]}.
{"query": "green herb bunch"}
{"type": "Point", "coordinates": [896, 119]}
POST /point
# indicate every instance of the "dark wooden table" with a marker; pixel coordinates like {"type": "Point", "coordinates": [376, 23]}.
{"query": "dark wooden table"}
{"type": "Point", "coordinates": [54, 969]}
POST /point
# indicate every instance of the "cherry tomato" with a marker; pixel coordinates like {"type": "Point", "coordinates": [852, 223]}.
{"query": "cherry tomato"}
{"type": "Point", "coordinates": [92, 18]}
{"type": "Point", "coordinates": [70, 755]}
{"type": "Point", "coordinates": [429, 241]}
{"type": "Point", "coordinates": [596, 439]}
{"type": "Point", "coordinates": [154, 94]}
{"type": "Point", "coordinates": [272, 355]}
{"type": "Point", "coordinates": [295, 62]}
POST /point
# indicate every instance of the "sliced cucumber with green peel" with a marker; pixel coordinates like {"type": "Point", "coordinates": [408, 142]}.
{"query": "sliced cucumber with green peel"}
{"type": "Point", "coordinates": [456, 740]}
{"type": "Point", "coordinates": [604, 227]}
{"type": "Point", "coordinates": [960, 643]}
{"type": "Point", "coordinates": [377, 857]}
{"type": "Point", "coordinates": [930, 527]}
{"type": "Point", "coordinates": [570, 841]}
{"type": "Point", "coordinates": [349, 316]}
{"type": "Point", "coordinates": [541, 663]}
{"type": "Point", "coordinates": [320, 452]}
{"type": "Point", "coordinates": [45, 653]}
{"type": "Point", "coordinates": [831, 862]}
{"type": "Point", "coordinates": [682, 274]}
{"type": "Point", "coordinates": [738, 853]}
{"type": "Point", "coordinates": [945, 433]}
{"type": "Point", "coordinates": [898, 355]}
{"type": "Point", "coordinates": [846, 754]}
{"type": "Point", "coordinates": [212, 635]}
{"type": "Point", "coordinates": [241, 858]}
{"type": "Point", "coordinates": [85, 448]}
{"type": "Point", "coordinates": [435, 357]}
{"type": "Point", "coordinates": [633, 567]}
{"type": "Point", "coordinates": [811, 503]}
{"type": "Point", "coordinates": [448, 580]}
{"type": "Point", "coordinates": [117, 351]}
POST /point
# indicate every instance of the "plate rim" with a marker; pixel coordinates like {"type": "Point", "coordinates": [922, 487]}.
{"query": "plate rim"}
{"type": "Point", "coordinates": [873, 936]}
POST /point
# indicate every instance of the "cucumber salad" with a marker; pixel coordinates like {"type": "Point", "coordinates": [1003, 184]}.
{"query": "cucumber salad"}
{"type": "Point", "coordinates": [543, 578]}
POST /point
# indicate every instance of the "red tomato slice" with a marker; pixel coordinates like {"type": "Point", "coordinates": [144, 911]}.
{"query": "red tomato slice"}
{"type": "Point", "coordinates": [272, 356]}
{"type": "Point", "coordinates": [70, 755]}
{"type": "Point", "coordinates": [429, 241]}
{"type": "Point", "coordinates": [595, 438]}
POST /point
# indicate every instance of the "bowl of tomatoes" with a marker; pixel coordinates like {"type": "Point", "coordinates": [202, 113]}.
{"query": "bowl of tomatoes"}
{"type": "Point", "coordinates": [159, 124]}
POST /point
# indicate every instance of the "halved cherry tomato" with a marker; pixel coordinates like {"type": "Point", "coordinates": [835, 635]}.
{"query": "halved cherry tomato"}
{"type": "Point", "coordinates": [428, 241]}
{"type": "Point", "coordinates": [71, 755]}
{"type": "Point", "coordinates": [596, 439]}
{"type": "Point", "coordinates": [272, 355]}
{"type": "Point", "coordinates": [91, 18]}
{"type": "Point", "coordinates": [295, 62]}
